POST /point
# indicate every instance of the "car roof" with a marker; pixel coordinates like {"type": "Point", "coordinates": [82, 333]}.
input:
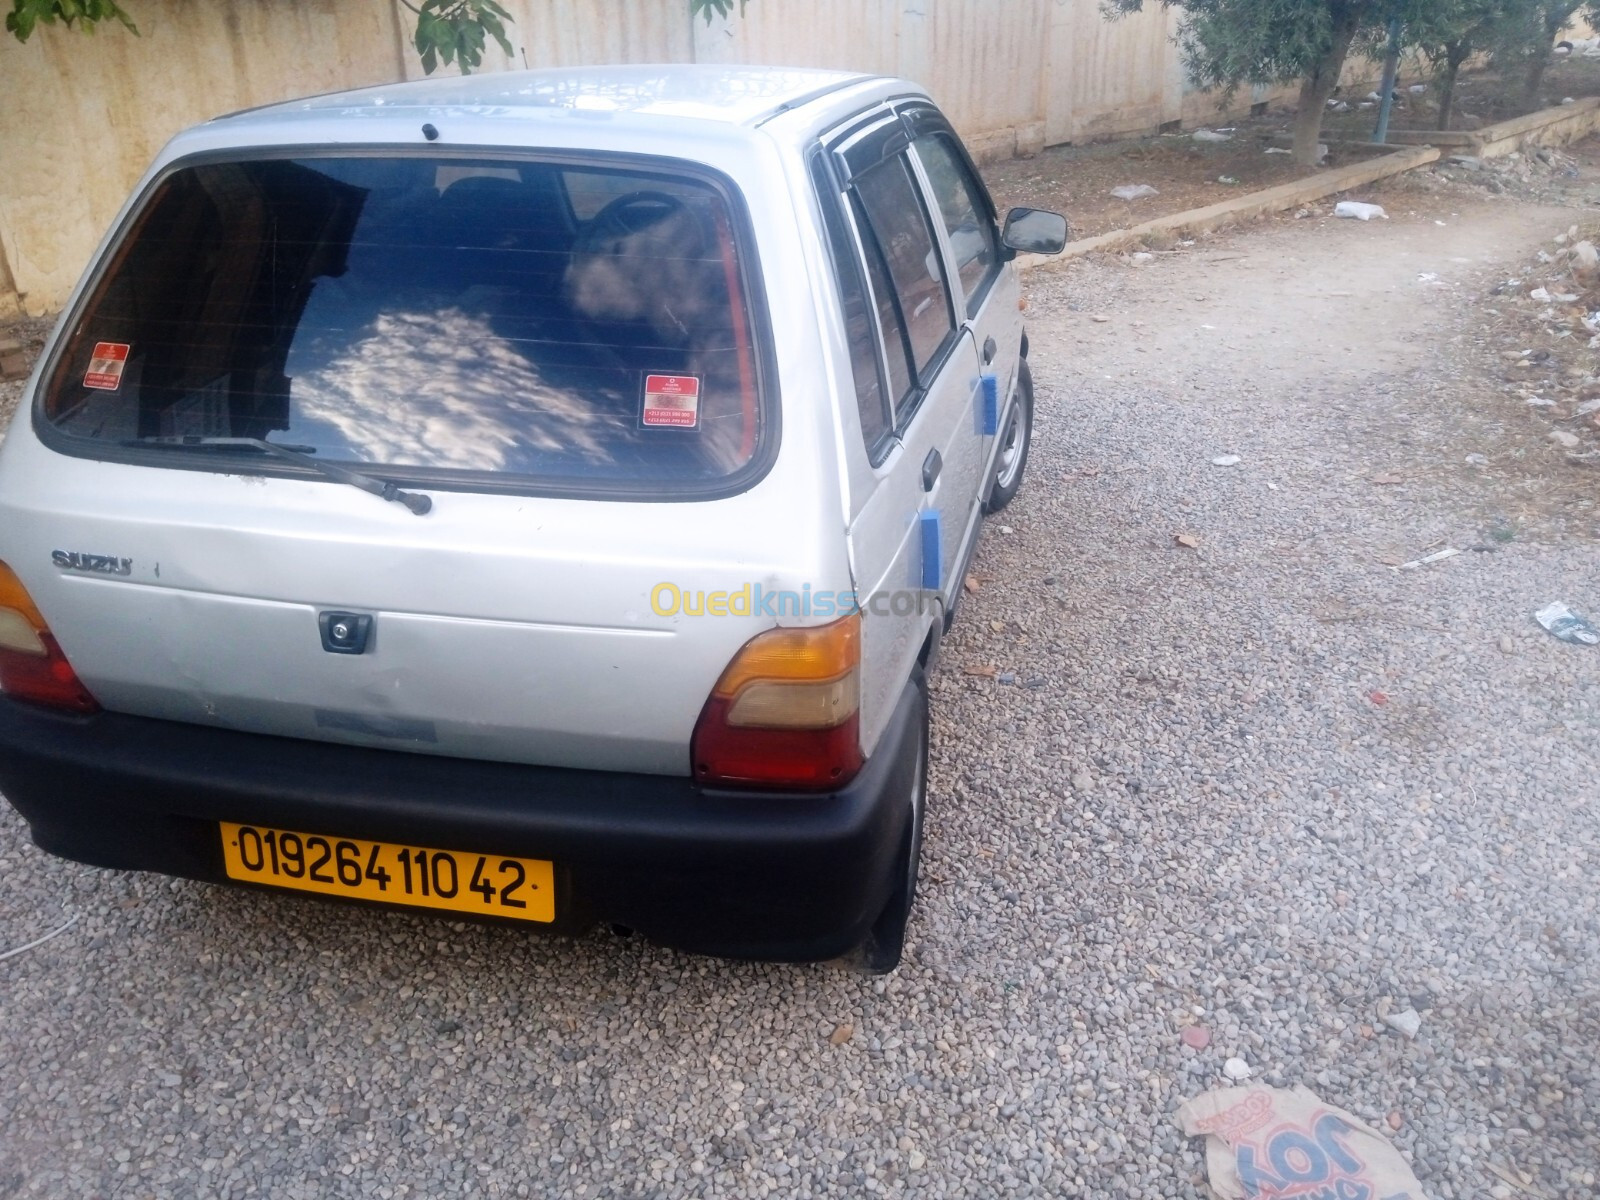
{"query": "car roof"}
{"type": "Point", "coordinates": [722, 95]}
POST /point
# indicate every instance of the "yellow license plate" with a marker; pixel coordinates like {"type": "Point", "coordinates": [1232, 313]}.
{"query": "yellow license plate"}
{"type": "Point", "coordinates": [488, 885]}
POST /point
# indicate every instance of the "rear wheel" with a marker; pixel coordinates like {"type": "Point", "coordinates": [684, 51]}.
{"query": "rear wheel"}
{"type": "Point", "coordinates": [1015, 439]}
{"type": "Point", "coordinates": [881, 951]}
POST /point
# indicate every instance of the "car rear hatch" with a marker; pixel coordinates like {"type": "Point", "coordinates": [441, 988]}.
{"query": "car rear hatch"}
{"type": "Point", "coordinates": [567, 357]}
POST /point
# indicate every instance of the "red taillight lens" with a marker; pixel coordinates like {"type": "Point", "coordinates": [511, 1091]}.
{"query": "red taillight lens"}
{"type": "Point", "coordinates": [32, 666]}
{"type": "Point", "coordinates": [786, 712]}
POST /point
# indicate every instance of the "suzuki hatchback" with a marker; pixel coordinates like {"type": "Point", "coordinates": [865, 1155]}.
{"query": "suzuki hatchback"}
{"type": "Point", "coordinates": [533, 497]}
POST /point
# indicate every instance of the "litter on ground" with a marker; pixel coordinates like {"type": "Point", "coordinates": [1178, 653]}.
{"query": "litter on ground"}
{"type": "Point", "coordinates": [39, 941]}
{"type": "Point", "coordinates": [1264, 1141]}
{"type": "Point", "coordinates": [1567, 626]}
{"type": "Point", "coordinates": [1357, 211]}
{"type": "Point", "coordinates": [1426, 559]}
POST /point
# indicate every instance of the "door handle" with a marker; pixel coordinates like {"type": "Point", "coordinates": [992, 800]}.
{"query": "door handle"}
{"type": "Point", "coordinates": [931, 466]}
{"type": "Point", "coordinates": [988, 350]}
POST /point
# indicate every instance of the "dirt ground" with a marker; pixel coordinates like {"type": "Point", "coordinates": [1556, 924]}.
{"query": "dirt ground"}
{"type": "Point", "coordinates": [1293, 319]}
{"type": "Point", "coordinates": [1530, 365]}
{"type": "Point", "coordinates": [1482, 98]}
{"type": "Point", "coordinates": [1077, 180]}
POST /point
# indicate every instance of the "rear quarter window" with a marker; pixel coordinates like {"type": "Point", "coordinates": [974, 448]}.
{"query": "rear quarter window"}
{"type": "Point", "coordinates": [590, 327]}
{"type": "Point", "coordinates": [861, 335]}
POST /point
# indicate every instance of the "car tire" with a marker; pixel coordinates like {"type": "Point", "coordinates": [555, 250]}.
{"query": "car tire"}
{"type": "Point", "coordinates": [885, 942]}
{"type": "Point", "coordinates": [1015, 441]}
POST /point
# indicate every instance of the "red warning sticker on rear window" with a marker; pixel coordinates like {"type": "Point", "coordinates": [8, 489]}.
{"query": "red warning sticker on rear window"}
{"type": "Point", "coordinates": [672, 401]}
{"type": "Point", "coordinates": [105, 366]}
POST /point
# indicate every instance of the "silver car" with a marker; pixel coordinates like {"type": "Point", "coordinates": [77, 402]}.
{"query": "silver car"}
{"type": "Point", "coordinates": [532, 497]}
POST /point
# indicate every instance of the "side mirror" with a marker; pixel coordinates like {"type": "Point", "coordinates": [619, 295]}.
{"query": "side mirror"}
{"type": "Point", "coordinates": [1035, 231]}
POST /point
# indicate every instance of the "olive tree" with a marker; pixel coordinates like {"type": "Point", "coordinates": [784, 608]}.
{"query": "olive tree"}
{"type": "Point", "coordinates": [1517, 35]}
{"type": "Point", "coordinates": [1450, 33]}
{"type": "Point", "coordinates": [1531, 37]}
{"type": "Point", "coordinates": [1228, 44]}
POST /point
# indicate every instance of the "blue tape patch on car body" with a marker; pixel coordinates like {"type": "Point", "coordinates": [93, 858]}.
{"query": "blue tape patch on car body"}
{"type": "Point", "coordinates": [991, 404]}
{"type": "Point", "coordinates": [932, 555]}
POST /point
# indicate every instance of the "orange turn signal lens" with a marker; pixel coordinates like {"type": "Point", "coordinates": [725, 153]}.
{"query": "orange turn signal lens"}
{"type": "Point", "coordinates": [17, 610]}
{"type": "Point", "coordinates": [819, 654]}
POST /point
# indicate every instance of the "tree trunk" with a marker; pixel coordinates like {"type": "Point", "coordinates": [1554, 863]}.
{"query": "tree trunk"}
{"type": "Point", "coordinates": [1318, 86]}
{"type": "Point", "coordinates": [1447, 96]}
{"type": "Point", "coordinates": [1536, 70]}
{"type": "Point", "coordinates": [1455, 54]}
{"type": "Point", "coordinates": [1555, 20]}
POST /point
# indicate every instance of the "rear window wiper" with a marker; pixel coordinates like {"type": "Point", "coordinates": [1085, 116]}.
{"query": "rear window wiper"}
{"type": "Point", "coordinates": [417, 502]}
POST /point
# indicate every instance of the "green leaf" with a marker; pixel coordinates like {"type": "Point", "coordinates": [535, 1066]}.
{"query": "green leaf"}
{"type": "Point", "coordinates": [458, 31]}
{"type": "Point", "coordinates": [84, 15]}
{"type": "Point", "coordinates": [713, 8]}
{"type": "Point", "coordinates": [498, 31]}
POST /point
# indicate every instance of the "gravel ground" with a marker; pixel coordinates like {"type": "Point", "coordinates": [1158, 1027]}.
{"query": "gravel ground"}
{"type": "Point", "coordinates": [1270, 784]}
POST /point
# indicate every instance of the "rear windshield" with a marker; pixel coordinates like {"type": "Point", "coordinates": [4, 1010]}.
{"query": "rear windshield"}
{"type": "Point", "coordinates": [558, 324]}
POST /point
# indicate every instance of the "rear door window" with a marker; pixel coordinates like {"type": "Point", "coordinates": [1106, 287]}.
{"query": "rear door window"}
{"type": "Point", "coordinates": [896, 344]}
{"type": "Point", "coordinates": [568, 326]}
{"type": "Point", "coordinates": [887, 196]}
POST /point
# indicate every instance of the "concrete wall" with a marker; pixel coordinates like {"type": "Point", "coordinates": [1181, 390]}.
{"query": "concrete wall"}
{"type": "Point", "coordinates": [573, 33]}
{"type": "Point", "coordinates": [983, 60]}
{"type": "Point", "coordinates": [84, 115]}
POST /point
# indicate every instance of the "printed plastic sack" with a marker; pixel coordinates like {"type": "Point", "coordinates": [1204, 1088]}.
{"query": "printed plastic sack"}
{"type": "Point", "coordinates": [1265, 1143]}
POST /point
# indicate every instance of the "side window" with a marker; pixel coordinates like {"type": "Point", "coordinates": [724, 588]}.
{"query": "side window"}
{"type": "Point", "coordinates": [861, 334]}
{"type": "Point", "coordinates": [900, 228]}
{"type": "Point", "coordinates": [896, 346]}
{"type": "Point", "coordinates": [965, 212]}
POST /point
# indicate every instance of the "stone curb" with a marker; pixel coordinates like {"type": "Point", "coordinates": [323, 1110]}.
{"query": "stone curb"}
{"type": "Point", "coordinates": [1242, 208]}
{"type": "Point", "coordinates": [1548, 127]}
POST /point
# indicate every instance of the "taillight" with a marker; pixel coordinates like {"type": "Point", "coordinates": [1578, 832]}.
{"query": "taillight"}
{"type": "Point", "coordinates": [32, 666]}
{"type": "Point", "coordinates": [786, 712]}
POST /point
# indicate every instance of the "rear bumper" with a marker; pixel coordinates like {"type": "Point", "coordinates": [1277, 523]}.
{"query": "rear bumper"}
{"type": "Point", "coordinates": [742, 875]}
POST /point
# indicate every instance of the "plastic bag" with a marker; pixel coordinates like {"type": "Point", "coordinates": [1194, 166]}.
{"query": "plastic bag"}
{"type": "Point", "coordinates": [1567, 626]}
{"type": "Point", "coordinates": [1358, 211]}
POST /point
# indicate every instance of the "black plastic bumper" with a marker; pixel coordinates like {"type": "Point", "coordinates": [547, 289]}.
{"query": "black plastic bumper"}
{"type": "Point", "coordinates": [743, 875]}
